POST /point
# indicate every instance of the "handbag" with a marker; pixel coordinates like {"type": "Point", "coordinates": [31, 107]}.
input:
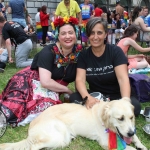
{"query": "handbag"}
{"type": "Point", "coordinates": [140, 84]}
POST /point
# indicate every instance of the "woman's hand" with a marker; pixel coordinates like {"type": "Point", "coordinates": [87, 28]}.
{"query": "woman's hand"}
{"type": "Point", "coordinates": [91, 101]}
{"type": "Point", "coordinates": [69, 92]}
{"type": "Point", "coordinates": [10, 60]}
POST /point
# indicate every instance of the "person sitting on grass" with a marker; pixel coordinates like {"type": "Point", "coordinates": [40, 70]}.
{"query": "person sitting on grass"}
{"type": "Point", "coordinates": [137, 61]}
{"type": "Point", "coordinates": [104, 67]}
{"type": "Point", "coordinates": [119, 24]}
{"type": "Point", "coordinates": [52, 69]}
{"type": "Point", "coordinates": [29, 29]}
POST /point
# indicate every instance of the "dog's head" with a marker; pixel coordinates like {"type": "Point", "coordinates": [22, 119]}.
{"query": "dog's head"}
{"type": "Point", "coordinates": [118, 116]}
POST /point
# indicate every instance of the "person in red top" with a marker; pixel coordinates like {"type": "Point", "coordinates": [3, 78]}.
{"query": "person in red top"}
{"type": "Point", "coordinates": [97, 11]}
{"type": "Point", "coordinates": [44, 17]}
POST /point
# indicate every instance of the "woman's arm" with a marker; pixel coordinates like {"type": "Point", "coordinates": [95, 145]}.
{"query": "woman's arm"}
{"type": "Point", "coordinates": [48, 83]}
{"type": "Point", "coordinates": [135, 56]}
{"type": "Point", "coordinates": [81, 87]}
{"type": "Point", "coordinates": [9, 10]}
{"type": "Point", "coordinates": [142, 25]}
{"type": "Point", "coordinates": [132, 43]}
{"type": "Point", "coordinates": [123, 80]}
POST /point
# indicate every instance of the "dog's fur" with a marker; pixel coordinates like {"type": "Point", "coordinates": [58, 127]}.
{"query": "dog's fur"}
{"type": "Point", "coordinates": [56, 126]}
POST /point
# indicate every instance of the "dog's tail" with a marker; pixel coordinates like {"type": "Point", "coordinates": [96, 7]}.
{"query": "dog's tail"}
{"type": "Point", "coordinates": [25, 144]}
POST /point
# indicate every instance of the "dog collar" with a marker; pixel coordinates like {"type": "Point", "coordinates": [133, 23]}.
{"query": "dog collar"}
{"type": "Point", "coordinates": [115, 142]}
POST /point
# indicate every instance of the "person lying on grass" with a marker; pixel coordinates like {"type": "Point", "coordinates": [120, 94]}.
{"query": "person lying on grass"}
{"type": "Point", "coordinates": [137, 61]}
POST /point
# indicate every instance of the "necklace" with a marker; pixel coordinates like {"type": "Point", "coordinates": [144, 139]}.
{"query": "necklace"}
{"type": "Point", "coordinates": [72, 57]}
{"type": "Point", "coordinates": [63, 51]}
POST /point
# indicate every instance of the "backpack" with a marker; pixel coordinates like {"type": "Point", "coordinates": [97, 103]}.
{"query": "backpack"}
{"type": "Point", "coordinates": [140, 83]}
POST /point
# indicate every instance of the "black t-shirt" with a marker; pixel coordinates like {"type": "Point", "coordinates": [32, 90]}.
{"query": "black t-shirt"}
{"type": "Point", "coordinates": [15, 31]}
{"type": "Point", "coordinates": [46, 59]}
{"type": "Point", "coordinates": [100, 73]}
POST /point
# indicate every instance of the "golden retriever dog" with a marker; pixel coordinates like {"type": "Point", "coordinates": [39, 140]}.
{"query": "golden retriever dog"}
{"type": "Point", "coordinates": [57, 125]}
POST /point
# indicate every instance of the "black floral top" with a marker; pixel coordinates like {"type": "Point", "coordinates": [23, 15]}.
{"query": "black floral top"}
{"type": "Point", "coordinates": [62, 68]}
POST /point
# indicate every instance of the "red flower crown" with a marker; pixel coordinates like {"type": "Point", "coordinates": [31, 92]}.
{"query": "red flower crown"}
{"type": "Point", "coordinates": [58, 22]}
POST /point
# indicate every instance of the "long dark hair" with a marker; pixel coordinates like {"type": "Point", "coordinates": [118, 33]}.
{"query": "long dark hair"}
{"type": "Point", "coordinates": [135, 12]}
{"type": "Point", "coordinates": [129, 31]}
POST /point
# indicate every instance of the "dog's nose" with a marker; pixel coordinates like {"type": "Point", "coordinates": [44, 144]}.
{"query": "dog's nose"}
{"type": "Point", "coordinates": [130, 133]}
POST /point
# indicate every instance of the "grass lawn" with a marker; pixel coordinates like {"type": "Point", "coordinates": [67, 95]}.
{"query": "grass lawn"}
{"type": "Point", "coordinates": [18, 133]}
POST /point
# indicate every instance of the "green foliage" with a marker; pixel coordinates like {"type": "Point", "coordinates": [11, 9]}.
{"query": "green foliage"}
{"type": "Point", "coordinates": [19, 133]}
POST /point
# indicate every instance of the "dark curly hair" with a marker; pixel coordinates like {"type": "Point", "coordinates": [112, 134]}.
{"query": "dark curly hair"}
{"type": "Point", "coordinates": [135, 12]}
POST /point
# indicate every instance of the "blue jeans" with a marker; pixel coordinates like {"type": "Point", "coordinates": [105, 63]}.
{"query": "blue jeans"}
{"type": "Point", "coordinates": [20, 21]}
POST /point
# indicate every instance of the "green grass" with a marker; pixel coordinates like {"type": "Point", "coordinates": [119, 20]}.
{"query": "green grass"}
{"type": "Point", "coordinates": [19, 133]}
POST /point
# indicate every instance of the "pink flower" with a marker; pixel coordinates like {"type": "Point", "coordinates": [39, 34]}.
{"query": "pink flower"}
{"type": "Point", "coordinates": [79, 46]}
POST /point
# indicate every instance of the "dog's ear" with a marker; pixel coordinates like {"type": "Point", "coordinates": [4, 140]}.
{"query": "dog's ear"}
{"type": "Point", "coordinates": [126, 99]}
{"type": "Point", "coordinates": [106, 115]}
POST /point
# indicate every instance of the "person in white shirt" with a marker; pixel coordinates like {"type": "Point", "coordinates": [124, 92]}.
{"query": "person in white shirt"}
{"type": "Point", "coordinates": [37, 16]}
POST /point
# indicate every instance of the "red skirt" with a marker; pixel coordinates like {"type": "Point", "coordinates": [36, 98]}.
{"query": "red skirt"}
{"type": "Point", "coordinates": [17, 98]}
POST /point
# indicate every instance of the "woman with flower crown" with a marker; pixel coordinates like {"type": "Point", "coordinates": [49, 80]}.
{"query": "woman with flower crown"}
{"type": "Point", "coordinates": [36, 88]}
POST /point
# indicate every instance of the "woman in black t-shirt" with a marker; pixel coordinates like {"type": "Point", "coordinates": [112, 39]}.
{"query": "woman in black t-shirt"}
{"type": "Point", "coordinates": [52, 69]}
{"type": "Point", "coordinates": [104, 67]}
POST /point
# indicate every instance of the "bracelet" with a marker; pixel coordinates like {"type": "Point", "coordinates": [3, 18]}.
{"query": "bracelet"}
{"type": "Point", "coordinates": [84, 100]}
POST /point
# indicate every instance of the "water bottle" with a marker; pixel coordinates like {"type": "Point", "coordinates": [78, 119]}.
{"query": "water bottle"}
{"type": "Point", "coordinates": [66, 98]}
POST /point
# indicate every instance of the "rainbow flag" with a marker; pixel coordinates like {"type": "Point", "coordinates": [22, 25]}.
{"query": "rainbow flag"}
{"type": "Point", "coordinates": [39, 30]}
{"type": "Point", "coordinates": [83, 31]}
{"type": "Point", "coordinates": [125, 17]}
{"type": "Point", "coordinates": [115, 142]}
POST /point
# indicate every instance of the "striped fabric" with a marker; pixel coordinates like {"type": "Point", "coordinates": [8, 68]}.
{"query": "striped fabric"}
{"type": "Point", "coordinates": [83, 31]}
{"type": "Point", "coordinates": [39, 30]}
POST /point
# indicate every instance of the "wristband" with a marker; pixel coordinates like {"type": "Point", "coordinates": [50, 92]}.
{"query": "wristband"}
{"type": "Point", "coordinates": [84, 100]}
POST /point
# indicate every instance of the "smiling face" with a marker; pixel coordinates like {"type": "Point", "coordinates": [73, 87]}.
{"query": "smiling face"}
{"type": "Point", "coordinates": [145, 12]}
{"type": "Point", "coordinates": [67, 36]}
{"type": "Point", "coordinates": [97, 36]}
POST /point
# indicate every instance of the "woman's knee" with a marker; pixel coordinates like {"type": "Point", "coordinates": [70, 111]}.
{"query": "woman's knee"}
{"type": "Point", "coordinates": [75, 98]}
{"type": "Point", "coordinates": [137, 106]}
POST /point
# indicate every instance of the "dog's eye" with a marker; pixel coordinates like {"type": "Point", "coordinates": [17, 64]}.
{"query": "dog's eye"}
{"type": "Point", "coordinates": [121, 119]}
{"type": "Point", "coordinates": [131, 118]}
